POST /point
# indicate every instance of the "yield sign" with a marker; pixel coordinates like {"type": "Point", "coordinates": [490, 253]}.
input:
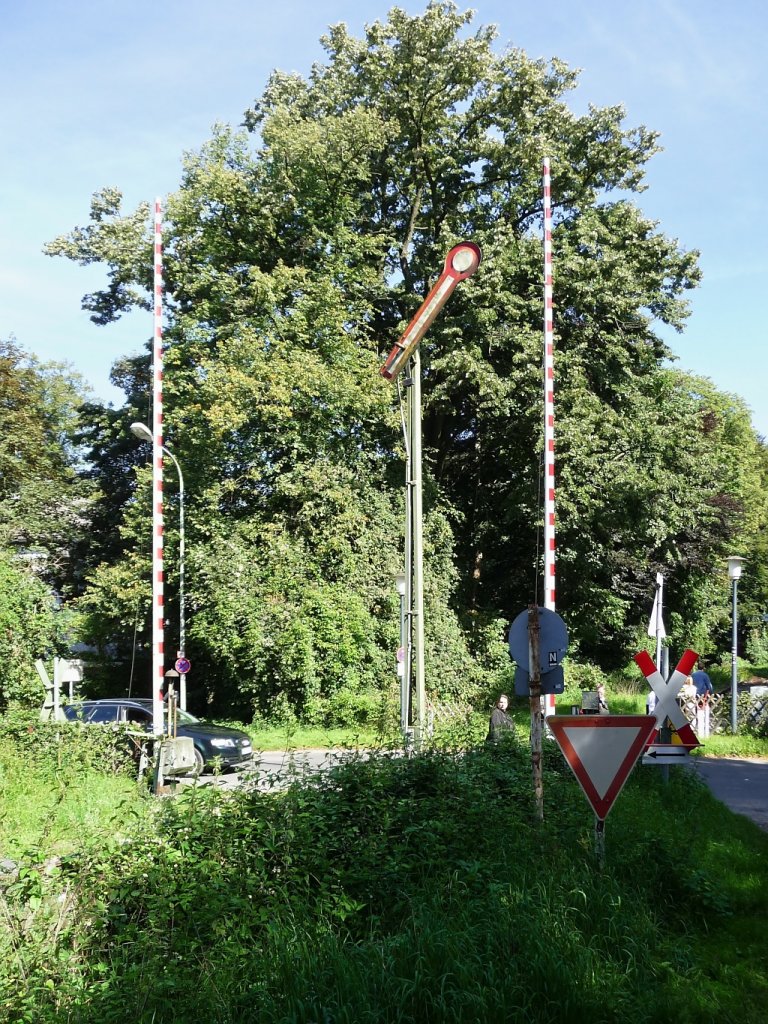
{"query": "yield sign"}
{"type": "Point", "coordinates": [601, 751]}
{"type": "Point", "coordinates": [667, 691]}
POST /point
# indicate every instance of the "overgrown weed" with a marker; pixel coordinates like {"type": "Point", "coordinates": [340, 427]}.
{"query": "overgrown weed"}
{"type": "Point", "coordinates": [396, 889]}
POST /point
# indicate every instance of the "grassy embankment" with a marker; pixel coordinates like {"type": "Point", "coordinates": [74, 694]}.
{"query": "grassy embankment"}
{"type": "Point", "coordinates": [394, 889]}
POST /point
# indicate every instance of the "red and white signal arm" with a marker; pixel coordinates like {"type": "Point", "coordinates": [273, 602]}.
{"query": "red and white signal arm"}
{"type": "Point", "coordinates": [601, 751]}
{"type": "Point", "coordinates": [460, 263]}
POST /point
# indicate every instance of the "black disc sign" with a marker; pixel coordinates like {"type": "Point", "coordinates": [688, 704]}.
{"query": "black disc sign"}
{"type": "Point", "coordinates": [553, 640]}
{"type": "Point", "coordinates": [549, 682]}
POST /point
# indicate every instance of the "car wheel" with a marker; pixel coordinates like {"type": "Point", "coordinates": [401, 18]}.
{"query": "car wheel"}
{"type": "Point", "coordinates": [199, 762]}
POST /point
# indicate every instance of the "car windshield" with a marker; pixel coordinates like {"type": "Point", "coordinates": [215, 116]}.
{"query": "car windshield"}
{"type": "Point", "coordinates": [184, 716]}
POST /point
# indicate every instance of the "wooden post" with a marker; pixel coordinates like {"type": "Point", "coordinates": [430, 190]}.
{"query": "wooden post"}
{"type": "Point", "coordinates": [534, 676]}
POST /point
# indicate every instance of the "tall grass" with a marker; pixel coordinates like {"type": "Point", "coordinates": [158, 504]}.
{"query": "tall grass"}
{"type": "Point", "coordinates": [60, 783]}
{"type": "Point", "coordinates": [400, 889]}
{"type": "Point", "coordinates": [297, 736]}
{"type": "Point", "coordinates": [54, 815]}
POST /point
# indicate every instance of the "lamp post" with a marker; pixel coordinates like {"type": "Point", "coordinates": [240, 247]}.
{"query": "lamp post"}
{"type": "Point", "coordinates": [144, 434]}
{"type": "Point", "coordinates": [734, 573]}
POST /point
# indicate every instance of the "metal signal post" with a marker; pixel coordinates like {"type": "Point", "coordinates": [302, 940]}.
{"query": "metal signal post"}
{"type": "Point", "coordinates": [460, 263]}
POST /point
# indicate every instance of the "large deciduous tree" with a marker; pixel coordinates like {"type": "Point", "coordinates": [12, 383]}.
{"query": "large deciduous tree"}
{"type": "Point", "coordinates": [44, 505]}
{"type": "Point", "coordinates": [44, 514]}
{"type": "Point", "coordinates": [297, 250]}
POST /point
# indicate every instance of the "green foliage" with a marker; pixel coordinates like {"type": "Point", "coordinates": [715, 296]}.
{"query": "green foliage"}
{"type": "Point", "coordinates": [725, 744]}
{"type": "Point", "coordinates": [582, 676]}
{"type": "Point", "coordinates": [295, 253]}
{"type": "Point", "coordinates": [291, 735]}
{"type": "Point", "coordinates": [757, 648]}
{"type": "Point", "coordinates": [44, 506]}
{"type": "Point", "coordinates": [278, 611]}
{"type": "Point", "coordinates": [356, 895]}
{"type": "Point", "coordinates": [27, 632]}
{"type": "Point", "coordinates": [58, 780]}
{"type": "Point", "coordinates": [683, 885]}
{"type": "Point", "coordinates": [66, 750]}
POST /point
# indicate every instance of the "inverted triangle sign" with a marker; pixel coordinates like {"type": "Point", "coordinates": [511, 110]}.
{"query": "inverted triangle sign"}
{"type": "Point", "coordinates": [601, 751]}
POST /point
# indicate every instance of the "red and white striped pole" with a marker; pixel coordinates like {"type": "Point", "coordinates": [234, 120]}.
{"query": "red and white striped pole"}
{"type": "Point", "coordinates": [158, 597]}
{"type": "Point", "coordinates": [549, 414]}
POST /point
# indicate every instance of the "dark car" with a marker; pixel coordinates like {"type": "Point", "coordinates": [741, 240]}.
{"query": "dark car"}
{"type": "Point", "coordinates": [229, 748]}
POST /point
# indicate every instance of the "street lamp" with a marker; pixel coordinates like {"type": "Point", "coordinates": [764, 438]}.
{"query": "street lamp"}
{"type": "Point", "coordinates": [143, 432]}
{"type": "Point", "coordinates": [734, 573]}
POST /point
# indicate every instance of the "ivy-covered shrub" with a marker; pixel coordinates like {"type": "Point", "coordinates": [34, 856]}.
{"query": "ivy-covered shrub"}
{"type": "Point", "coordinates": [27, 631]}
{"type": "Point", "coordinates": [581, 676]}
{"type": "Point", "coordinates": [62, 750]}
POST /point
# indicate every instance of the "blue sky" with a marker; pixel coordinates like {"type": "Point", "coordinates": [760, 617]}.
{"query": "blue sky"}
{"type": "Point", "coordinates": [96, 93]}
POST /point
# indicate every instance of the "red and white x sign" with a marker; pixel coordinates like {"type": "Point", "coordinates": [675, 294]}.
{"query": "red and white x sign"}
{"type": "Point", "coordinates": [667, 690]}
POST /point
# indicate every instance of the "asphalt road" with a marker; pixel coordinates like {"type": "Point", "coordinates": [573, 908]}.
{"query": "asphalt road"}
{"type": "Point", "coordinates": [740, 783]}
{"type": "Point", "coordinates": [274, 769]}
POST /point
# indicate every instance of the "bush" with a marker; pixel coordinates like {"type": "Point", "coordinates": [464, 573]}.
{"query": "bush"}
{"type": "Point", "coordinates": [579, 677]}
{"type": "Point", "coordinates": [63, 751]}
{"type": "Point", "coordinates": [27, 631]}
{"type": "Point", "coordinates": [389, 889]}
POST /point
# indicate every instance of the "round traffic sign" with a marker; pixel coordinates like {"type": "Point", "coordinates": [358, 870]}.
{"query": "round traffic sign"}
{"type": "Point", "coordinates": [553, 640]}
{"type": "Point", "coordinates": [183, 665]}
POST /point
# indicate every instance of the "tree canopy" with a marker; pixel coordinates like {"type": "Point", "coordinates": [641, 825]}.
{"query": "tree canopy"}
{"type": "Point", "coordinates": [296, 249]}
{"type": "Point", "coordinates": [44, 513]}
{"type": "Point", "coordinates": [44, 503]}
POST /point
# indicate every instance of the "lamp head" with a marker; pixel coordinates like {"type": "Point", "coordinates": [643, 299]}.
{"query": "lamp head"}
{"type": "Point", "coordinates": [734, 567]}
{"type": "Point", "coordinates": [141, 431]}
{"type": "Point", "coordinates": [400, 584]}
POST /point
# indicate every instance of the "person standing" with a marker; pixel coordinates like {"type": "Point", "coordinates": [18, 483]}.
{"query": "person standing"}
{"type": "Point", "coordinates": [704, 690]}
{"type": "Point", "coordinates": [688, 690]}
{"type": "Point", "coordinates": [703, 684]}
{"type": "Point", "coordinates": [686, 699]}
{"type": "Point", "coordinates": [500, 721]}
{"type": "Point", "coordinates": [602, 705]}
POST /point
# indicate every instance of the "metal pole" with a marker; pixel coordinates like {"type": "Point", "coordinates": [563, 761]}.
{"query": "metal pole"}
{"type": "Point", "coordinates": [734, 666]}
{"type": "Point", "coordinates": [600, 842]}
{"type": "Point", "coordinates": [407, 684]}
{"type": "Point", "coordinates": [182, 554]}
{"type": "Point", "coordinates": [56, 689]}
{"type": "Point", "coordinates": [461, 263]}
{"type": "Point", "coordinates": [659, 620]}
{"type": "Point", "coordinates": [401, 664]}
{"type": "Point", "coordinates": [417, 621]}
{"type": "Point", "coordinates": [158, 610]}
{"type": "Point", "coordinates": [143, 432]}
{"type": "Point", "coordinates": [549, 415]}
{"type": "Point", "coordinates": [665, 733]}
